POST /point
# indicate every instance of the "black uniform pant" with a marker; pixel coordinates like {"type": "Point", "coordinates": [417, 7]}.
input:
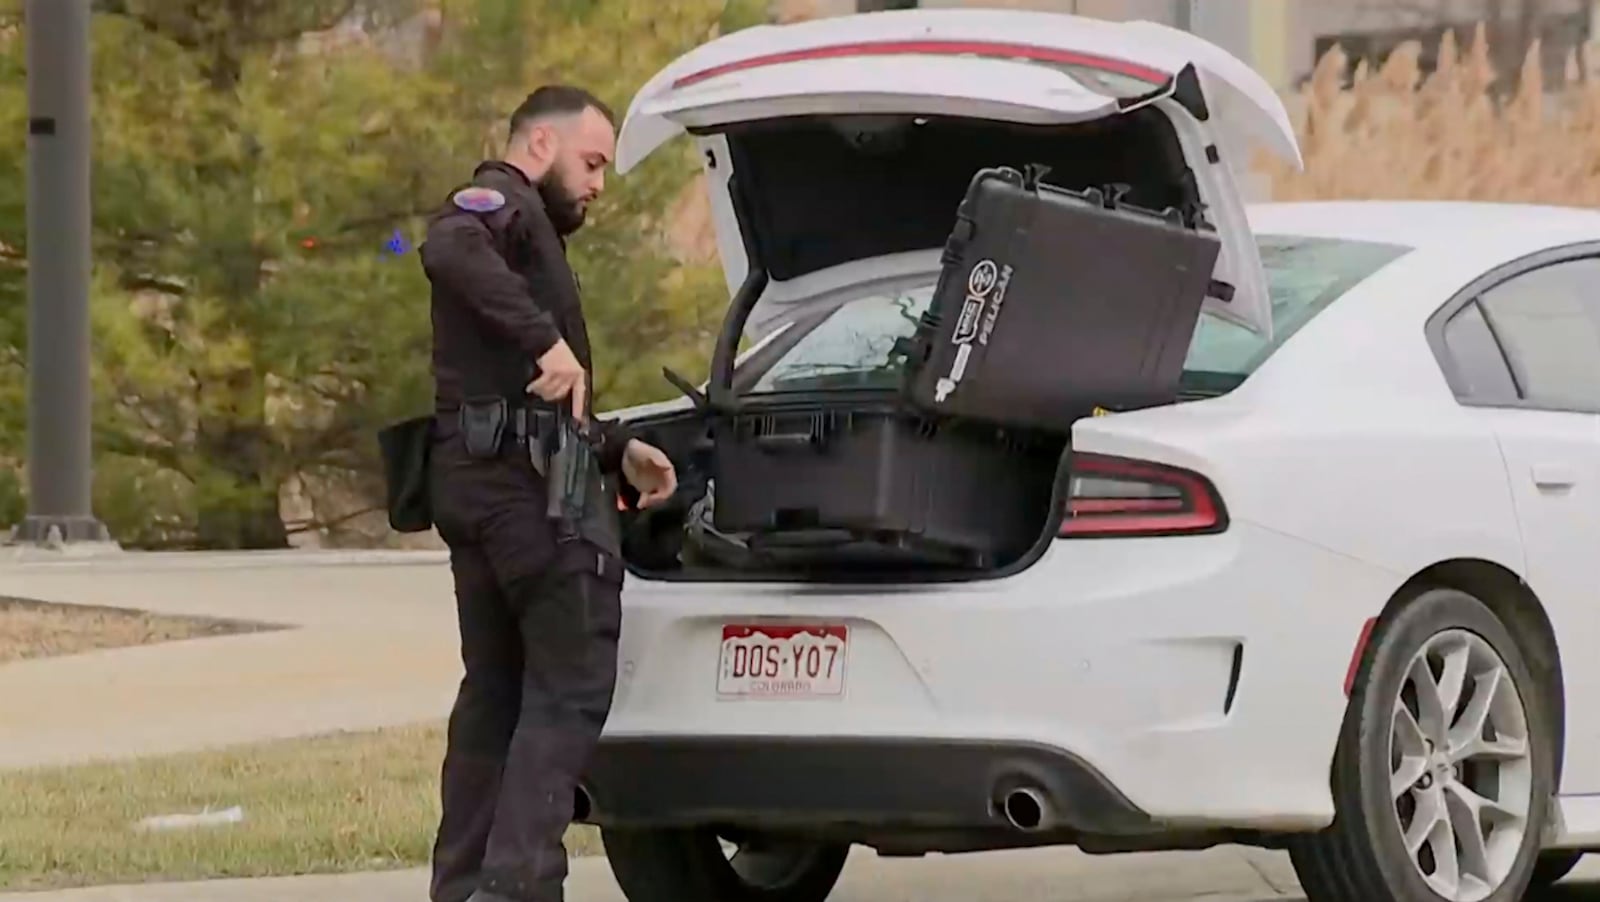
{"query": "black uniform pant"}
{"type": "Point", "coordinates": [540, 622]}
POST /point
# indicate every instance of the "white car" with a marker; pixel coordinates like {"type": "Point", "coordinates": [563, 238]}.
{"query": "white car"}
{"type": "Point", "coordinates": [1334, 600]}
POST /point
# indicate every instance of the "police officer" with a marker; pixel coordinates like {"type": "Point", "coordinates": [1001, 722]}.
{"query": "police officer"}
{"type": "Point", "coordinates": [538, 597]}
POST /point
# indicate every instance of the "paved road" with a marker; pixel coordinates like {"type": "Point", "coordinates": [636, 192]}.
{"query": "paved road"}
{"type": "Point", "coordinates": [369, 640]}
{"type": "Point", "coordinates": [1223, 875]}
{"type": "Point", "coordinates": [1218, 875]}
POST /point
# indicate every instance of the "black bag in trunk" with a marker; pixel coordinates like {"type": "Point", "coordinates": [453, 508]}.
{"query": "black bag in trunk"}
{"type": "Point", "coordinates": [1052, 303]}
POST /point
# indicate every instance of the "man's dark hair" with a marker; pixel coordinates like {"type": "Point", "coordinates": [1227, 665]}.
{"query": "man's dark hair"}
{"type": "Point", "coordinates": [556, 100]}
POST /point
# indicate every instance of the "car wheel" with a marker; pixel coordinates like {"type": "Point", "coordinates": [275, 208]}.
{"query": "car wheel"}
{"type": "Point", "coordinates": [1444, 768]}
{"type": "Point", "coordinates": [1552, 867]}
{"type": "Point", "coordinates": [679, 865]}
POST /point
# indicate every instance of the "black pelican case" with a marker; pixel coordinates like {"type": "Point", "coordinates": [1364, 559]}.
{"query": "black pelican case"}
{"type": "Point", "coordinates": [1052, 302]}
{"type": "Point", "coordinates": [859, 478]}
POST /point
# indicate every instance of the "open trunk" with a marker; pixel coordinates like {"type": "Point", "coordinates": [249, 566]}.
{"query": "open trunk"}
{"type": "Point", "coordinates": [680, 541]}
{"type": "Point", "coordinates": [838, 199]}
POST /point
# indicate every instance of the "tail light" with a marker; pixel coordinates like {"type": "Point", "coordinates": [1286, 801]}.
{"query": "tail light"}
{"type": "Point", "coordinates": [1116, 496]}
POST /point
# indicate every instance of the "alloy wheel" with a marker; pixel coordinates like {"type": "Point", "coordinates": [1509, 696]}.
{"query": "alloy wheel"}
{"type": "Point", "coordinates": [1461, 771]}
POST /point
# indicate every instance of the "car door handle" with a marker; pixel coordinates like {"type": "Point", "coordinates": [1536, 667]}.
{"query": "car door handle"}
{"type": "Point", "coordinates": [1554, 476]}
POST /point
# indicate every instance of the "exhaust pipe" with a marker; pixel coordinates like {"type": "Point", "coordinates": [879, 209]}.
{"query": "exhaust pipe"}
{"type": "Point", "coordinates": [1026, 809]}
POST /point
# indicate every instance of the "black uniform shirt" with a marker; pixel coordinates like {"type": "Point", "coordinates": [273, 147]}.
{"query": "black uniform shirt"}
{"type": "Point", "coordinates": [503, 295]}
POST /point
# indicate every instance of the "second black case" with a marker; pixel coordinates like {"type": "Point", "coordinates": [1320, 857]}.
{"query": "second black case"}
{"type": "Point", "coordinates": [870, 482]}
{"type": "Point", "coordinates": [1052, 302]}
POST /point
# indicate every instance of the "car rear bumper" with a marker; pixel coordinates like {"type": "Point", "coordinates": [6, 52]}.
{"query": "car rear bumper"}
{"type": "Point", "coordinates": [1147, 685]}
{"type": "Point", "coordinates": [863, 783]}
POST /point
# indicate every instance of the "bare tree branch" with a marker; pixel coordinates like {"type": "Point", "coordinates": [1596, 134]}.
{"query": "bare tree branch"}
{"type": "Point", "coordinates": [154, 283]}
{"type": "Point", "coordinates": [127, 446]}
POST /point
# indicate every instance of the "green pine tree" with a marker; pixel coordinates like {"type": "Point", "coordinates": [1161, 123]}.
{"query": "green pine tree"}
{"type": "Point", "coordinates": [253, 321]}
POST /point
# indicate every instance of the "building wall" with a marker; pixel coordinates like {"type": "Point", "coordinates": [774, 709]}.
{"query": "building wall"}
{"type": "Point", "coordinates": [1566, 25]}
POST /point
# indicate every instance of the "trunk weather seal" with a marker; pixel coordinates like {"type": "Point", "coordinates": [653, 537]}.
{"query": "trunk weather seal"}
{"type": "Point", "coordinates": [719, 389]}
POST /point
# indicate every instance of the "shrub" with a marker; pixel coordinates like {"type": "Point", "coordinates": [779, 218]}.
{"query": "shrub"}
{"type": "Point", "coordinates": [1396, 133]}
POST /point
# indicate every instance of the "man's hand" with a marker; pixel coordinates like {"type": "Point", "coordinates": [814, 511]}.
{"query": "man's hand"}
{"type": "Point", "coordinates": [649, 471]}
{"type": "Point", "coordinates": [560, 375]}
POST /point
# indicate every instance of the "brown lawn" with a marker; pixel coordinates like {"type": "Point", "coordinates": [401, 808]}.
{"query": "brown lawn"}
{"type": "Point", "coordinates": [34, 629]}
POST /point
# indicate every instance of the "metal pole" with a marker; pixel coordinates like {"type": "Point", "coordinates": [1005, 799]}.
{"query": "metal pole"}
{"type": "Point", "coordinates": [1183, 15]}
{"type": "Point", "coordinates": [59, 507]}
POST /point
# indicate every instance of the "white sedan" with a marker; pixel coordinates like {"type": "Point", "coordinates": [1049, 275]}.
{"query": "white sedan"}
{"type": "Point", "coordinates": [1334, 599]}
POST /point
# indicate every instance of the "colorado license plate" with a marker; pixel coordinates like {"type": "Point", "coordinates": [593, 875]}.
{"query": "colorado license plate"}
{"type": "Point", "coordinates": [771, 661]}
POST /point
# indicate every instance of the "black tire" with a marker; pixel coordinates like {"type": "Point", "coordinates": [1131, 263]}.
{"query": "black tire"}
{"type": "Point", "coordinates": [690, 866]}
{"type": "Point", "coordinates": [1552, 867]}
{"type": "Point", "coordinates": [1362, 856]}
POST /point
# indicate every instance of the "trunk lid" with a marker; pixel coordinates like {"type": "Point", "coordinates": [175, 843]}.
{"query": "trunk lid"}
{"type": "Point", "coordinates": [972, 72]}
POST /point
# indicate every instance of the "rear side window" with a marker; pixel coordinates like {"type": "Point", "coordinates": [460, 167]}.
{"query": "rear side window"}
{"type": "Point", "coordinates": [1547, 321]}
{"type": "Point", "coordinates": [1481, 371]}
{"type": "Point", "coordinates": [1304, 276]}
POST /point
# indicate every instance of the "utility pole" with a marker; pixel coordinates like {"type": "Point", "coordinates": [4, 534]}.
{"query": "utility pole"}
{"type": "Point", "coordinates": [1226, 23]}
{"type": "Point", "coordinates": [59, 463]}
{"type": "Point", "coordinates": [1183, 14]}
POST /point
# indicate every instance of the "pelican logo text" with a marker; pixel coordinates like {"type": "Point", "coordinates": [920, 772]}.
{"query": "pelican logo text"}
{"type": "Point", "coordinates": [980, 282]}
{"type": "Point", "coordinates": [994, 306]}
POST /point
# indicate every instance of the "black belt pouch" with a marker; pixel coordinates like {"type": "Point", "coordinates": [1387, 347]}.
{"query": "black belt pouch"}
{"type": "Point", "coordinates": [483, 426]}
{"type": "Point", "coordinates": [405, 447]}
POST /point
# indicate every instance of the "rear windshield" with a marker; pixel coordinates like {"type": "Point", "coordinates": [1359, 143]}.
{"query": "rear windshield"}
{"type": "Point", "coordinates": [854, 347]}
{"type": "Point", "coordinates": [1304, 276]}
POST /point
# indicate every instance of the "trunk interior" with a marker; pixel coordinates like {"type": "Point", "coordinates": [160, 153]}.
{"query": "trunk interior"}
{"type": "Point", "coordinates": [813, 193]}
{"type": "Point", "coordinates": [679, 541]}
{"type": "Point", "coordinates": [816, 192]}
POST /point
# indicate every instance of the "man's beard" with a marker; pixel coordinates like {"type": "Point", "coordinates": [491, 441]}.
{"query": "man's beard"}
{"type": "Point", "coordinates": [566, 213]}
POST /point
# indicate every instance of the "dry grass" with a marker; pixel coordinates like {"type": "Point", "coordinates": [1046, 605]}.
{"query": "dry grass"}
{"type": "Point", "coordinates": [33, 629]}
{"type": "Point", "coordinates": [346, 802]}
{"type": "Point", "coordinates": [1393, 133]}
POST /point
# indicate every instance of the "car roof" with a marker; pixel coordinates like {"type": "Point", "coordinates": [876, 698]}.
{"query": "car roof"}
{"type": "Point", "coordinates": [1454, 242]}
{"type": "Point", "coordinates": [1489, 230]}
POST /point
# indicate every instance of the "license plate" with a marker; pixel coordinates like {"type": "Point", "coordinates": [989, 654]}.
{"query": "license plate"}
{"type": "Point", "coordinates": [771, 661]}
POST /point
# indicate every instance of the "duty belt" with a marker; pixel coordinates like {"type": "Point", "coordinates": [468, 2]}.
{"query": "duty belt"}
{"type": "Point", "coordinates": [528, 426]}
{"type": "Point", "coordinates": [557, 446]}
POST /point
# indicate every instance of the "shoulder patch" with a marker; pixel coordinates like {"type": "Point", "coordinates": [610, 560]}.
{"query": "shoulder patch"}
{"type": "Point", "coordinates": [479, 200]}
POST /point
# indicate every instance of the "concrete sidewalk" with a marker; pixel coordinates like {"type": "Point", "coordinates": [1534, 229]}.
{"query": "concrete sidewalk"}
{"type": "Point", "coordinates": [370, 641]}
